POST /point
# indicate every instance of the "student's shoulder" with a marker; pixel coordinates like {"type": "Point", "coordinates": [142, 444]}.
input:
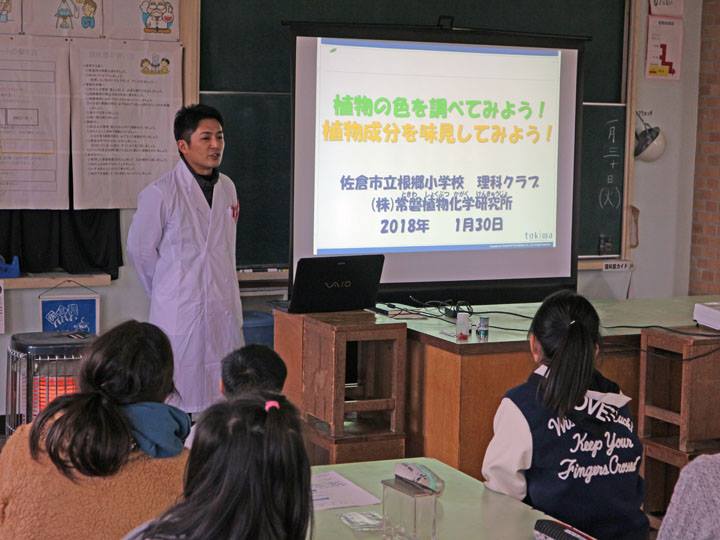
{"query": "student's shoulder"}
{"type": "Point", "coordinates": [522, 392]}
{"type": "Point", "coordinates": [155, 471]}
{"type": "Point", "coordinates": [703, 466]}
{"type": "Point", "coordinates": [600, 383]}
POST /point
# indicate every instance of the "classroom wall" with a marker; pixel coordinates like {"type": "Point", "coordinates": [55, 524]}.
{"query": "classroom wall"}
{"type": "Point", "coordinates": [705, 250]}
{"type": "Point", "coordinates": [663, 189]}
{"type": "Point", "coordinates": [662, 194]}
{"type": "Point", "coordinates": [123, 299]}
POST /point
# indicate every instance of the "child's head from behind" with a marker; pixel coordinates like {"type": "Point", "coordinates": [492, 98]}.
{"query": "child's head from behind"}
{"type": "Point", "coordinates": [565, 335]}
{"type": "Point", "coordinates": [252, 368]}
{"type": "Point", "coordinates": [130, 363]}
{"type": "Point", "coordinates": [87, 432]}
{"type": "Point", "coordinates": [248, 475]}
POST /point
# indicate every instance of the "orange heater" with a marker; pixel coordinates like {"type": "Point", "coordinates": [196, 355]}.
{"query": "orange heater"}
{"type": "Point", "coordinates": [41, 366]}
{"type": "Point", "coordinates": [48, 387]}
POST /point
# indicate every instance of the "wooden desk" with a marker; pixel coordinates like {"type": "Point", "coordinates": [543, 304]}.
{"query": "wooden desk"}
{"type": "Point", "coordinates": [465, 509]}
{"type": "Point", "coordinates": [456, 387]}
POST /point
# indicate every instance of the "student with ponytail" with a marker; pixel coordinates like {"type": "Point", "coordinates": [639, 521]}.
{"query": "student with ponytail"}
{"type": "Point", "coordinates": [247, 477]}
{"type": "Point", "coordinates": [89, 465]}
{"type": "Point", "coordinates": [564, 440]}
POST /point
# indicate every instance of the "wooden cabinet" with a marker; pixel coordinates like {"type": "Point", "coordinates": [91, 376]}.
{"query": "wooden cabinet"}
{"type": "Point", "coordinates": [679, 400]}
{"type": "Point", "coordinates": [357, 420]}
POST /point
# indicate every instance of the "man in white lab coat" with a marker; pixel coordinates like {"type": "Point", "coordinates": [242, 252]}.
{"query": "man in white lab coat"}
{"type": "Point", "coordinates": [182, 244]}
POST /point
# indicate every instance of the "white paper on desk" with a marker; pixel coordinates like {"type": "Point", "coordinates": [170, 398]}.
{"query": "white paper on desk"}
{"type": "Point", "coordinates": [332, 490]}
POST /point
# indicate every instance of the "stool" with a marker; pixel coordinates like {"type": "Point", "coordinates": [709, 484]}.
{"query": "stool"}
{"type": "Point", "coordinates": [381, 369]}
{"type": "Point", "coordinates": [678, 400]}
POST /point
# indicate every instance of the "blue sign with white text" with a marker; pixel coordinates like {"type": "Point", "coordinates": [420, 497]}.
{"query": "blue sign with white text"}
{"type": "Point", "coordinates": [69, 315]}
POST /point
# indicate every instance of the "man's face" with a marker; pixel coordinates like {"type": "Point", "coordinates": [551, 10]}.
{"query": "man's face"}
{"type": "Point", "coordinates": [204, 151]}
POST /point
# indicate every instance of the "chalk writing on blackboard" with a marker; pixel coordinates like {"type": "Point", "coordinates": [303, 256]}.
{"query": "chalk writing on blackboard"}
{"type": "Point", "coordinates": [603, 173]}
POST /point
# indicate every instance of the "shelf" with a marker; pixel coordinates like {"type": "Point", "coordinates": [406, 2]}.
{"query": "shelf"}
{"type": "Point", "coordinates": [57, 280]}
{"type": "Point", "coordinates": [277, 276]}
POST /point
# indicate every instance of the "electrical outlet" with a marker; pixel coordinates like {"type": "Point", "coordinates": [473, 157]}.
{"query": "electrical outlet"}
{"type": "Point", "coordinates": [617, 266]}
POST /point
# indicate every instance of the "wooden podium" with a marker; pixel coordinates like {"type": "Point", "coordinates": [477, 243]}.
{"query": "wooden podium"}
{"type": "Point", "coordinates": [679, 400]}
{"type": "Point", "coordinates": [358, 420]}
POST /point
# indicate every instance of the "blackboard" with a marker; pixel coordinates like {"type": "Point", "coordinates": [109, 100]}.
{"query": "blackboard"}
{"type": "Point", "coordinates": [246, 69]}
{"type": "Point", "coordinates": [601, 184]}
{"type": "Point", "coordinates": [257, 159]}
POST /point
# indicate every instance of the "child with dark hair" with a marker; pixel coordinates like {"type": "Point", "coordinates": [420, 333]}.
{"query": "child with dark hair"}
{"type": "Point", "coordinates": [249, 369]}
{"type": "Point", "coordinates": [248, 476]}
{"type": "Point", "coordinates": [253, 367]}
{"type": "Point", "coordinates": [87, 467]}
{"type": "Point", "coordinates": [564, 440]}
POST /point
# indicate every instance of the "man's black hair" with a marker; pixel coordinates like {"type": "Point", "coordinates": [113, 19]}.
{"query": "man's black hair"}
{"type": "Point", "coordinates": [188, 118]}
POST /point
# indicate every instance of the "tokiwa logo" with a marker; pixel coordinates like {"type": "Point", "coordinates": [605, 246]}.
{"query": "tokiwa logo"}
{"type": "Point", "coordinates": [338, 284]}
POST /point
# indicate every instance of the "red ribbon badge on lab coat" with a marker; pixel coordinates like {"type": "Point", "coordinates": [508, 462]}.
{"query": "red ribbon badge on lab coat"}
{"type": "Point", "coordinates": [235, 211]}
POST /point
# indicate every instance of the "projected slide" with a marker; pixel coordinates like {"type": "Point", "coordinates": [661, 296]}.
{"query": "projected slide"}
{"type": "Point", "coordinates": [435, 147]}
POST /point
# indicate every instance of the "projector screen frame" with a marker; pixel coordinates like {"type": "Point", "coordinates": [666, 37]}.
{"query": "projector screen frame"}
{"type": "Point", "coordinates": [490, 291]}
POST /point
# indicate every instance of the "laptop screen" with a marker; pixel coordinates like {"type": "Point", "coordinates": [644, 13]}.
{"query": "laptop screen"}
{"type": "Point", "coordinates": [345, 283]}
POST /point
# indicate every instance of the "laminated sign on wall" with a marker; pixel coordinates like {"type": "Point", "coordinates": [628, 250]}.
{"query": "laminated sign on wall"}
{"type": "Point", "coordinates": [70, 313]}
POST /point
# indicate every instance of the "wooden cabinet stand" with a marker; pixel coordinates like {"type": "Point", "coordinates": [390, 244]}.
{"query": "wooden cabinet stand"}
{"type": "Point", "coordinates": [679, 398]}
{"type": "Point", "coordinates": [356, 420]}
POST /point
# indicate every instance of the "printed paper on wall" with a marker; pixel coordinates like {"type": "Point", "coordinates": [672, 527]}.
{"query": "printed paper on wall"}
{"type": "Point", "coordinates": [143, 19]}
{"type": "Point", "coordinates": [664, 48]}
{"type": "Point", "coordinates": [125, 96]}
{"type": "Point", "coordinates": [10, 16]}
{"type": "Point", "coordinates": [65, 18]}
{"type": "Point", "coordinates": [34, 123]}
{"type": "Point", "coordinates": [668, 8]}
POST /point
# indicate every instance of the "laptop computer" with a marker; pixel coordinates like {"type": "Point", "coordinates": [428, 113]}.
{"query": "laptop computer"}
{"type": "Point", "coordinates": [344, 283]}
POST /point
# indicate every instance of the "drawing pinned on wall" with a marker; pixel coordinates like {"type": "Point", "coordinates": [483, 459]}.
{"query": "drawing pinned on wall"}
{"type": "Point", "coordinates": [70, 313]}
{"type": "Point", "coordinates": [143, 19]}
{"type": "Point", "coordinates": [65, 14]}
{"type": "Point", "coordinates": [10, 17]}
{"type": "Point", "coordinates": [157, 16]}
{"type": "Point", "coordinates": [67, 18]}
{"type": "Point", "coordinates": [155, 66]}
{"type": "Point", "coordinates": [88, 17]}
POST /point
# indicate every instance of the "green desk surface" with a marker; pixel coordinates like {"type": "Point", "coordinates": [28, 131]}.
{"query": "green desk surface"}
{"type": "Point", "coordinates": [504, 328]}
{"type": "Point", "coordinates": [465, 509]}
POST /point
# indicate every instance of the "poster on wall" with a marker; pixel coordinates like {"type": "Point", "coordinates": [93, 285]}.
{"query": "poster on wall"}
{"type": "Point", "coordinates": [125, 96]}
{"type": "Point", "coordinates": [70, 313]}
{"type": "Point", "coordinates": [668, 8]}
{"type": "Point", "coordinates": [664, 48]}
{"type": "Point", "coordinates": [34, 123]}
{"type": "Point", "coordinates": [10, 16]}
{"type": "Point", "coordinates": [143, 19]}
{"type": "Point", "coordinates": [64, 18]}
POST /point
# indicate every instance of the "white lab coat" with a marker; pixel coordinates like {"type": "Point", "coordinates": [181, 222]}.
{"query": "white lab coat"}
{"type": "Point", "coordinates": [184, 255]}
